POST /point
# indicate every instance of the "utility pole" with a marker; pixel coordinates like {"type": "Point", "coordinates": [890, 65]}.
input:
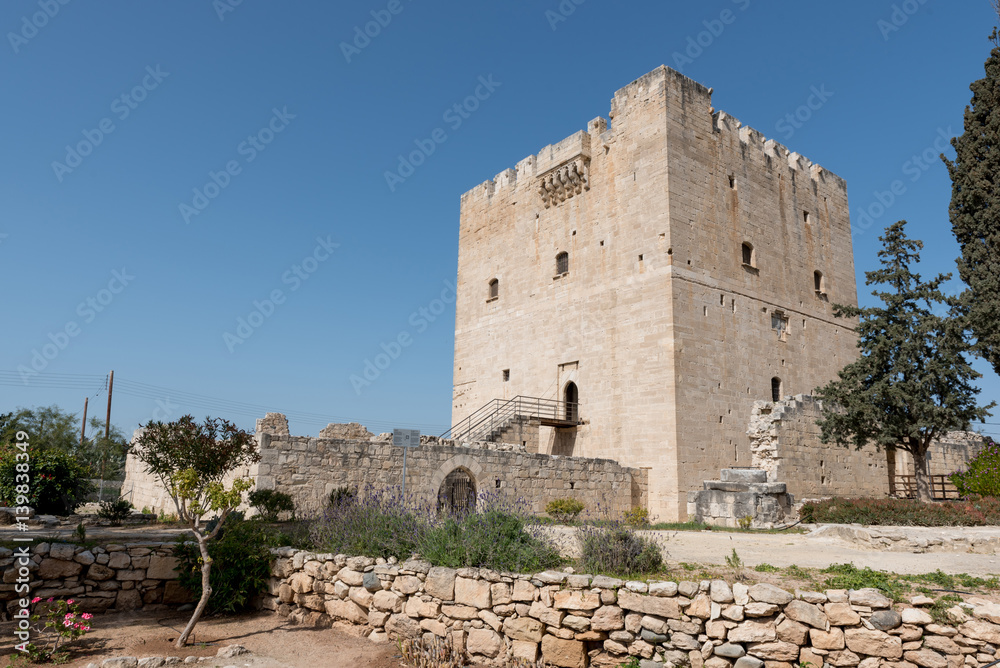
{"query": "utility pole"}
{"type": "Point", "coordinates": [83, 427]}
{"type": "Point", "coordinates": [107, 422]}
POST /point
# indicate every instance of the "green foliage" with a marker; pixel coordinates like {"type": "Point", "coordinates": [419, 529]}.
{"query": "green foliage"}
{"type": "Point", "coordinates": [378, 524]}
{"type": "Point", "coordinates": [342, 495]}
{"type": "Point", "coordinates": [618, 550]}
{"type": "Point", "coordinates": [938, 609]}
{"type": "Point", "coordinates": [974, 511]}
{"type": "Point", "coordinates": [912, 381]}
{"type": "Point", "coordinates": [50, 428]}
{"type": "Point", "coordinates": [636, 517]}
{"type": "Point", "coordinates": [848, 576]}
{"type": "Point", "coordinates": [271, 503]}
{"type": "Point", "coordinates": [745, 522]}
{"type": "Point", "coordinates": [116, 511]}
{"type": "Point", "coordinates": [975, 209]}
{"type": "Point", "coordinates": [493, 539]}
{"type": "Point", "coordinates": [982, 476]}
{"type": "Point", "coordinates": [241, 564]}
{"type": "Point", "coordinates": [564, 510]}
{"type": "Point", "coordinates": [765, 568]}
{"type": "Point", "coordinates": [633, 662]}
{"type": "Point", "coordinates": [50, 481]}
{"type": "Point", "coordinates": [734, 561]}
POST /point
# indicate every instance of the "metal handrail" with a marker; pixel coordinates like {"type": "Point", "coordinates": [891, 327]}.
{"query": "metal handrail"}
{"type": "Point", "coordinates": [497, 414]}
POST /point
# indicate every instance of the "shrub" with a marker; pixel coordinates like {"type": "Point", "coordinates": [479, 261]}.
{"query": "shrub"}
{"type": "Point", "coordinates": [974, 511]}
{"type": "Point", "coordinates": [241, 558]}
{"type": "Point", "coordinates": [116, 511]}
{"type": "Point", "coordinates": [564, 510]}
{"type": "Point", "coordinates": [342, 495]}
{"type": "Point", "coordinates": [495, 539]}
{"type": "Point", "coordinates": [983, 475]}
{"type": "Point", "coordinates": [63, 625]}
{"type": "Point", "coordinates": [56, 482]}
{"type": "Point", "coordinates": [618, 550]}
{"type": "Point", "coordinates": [376, 524]}
{"type": "Point", "coordinates": [270, 503]}
{"type": "Point", "coordinates": [637, 517]}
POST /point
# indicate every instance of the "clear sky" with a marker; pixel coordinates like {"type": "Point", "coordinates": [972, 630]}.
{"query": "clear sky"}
{"type": "Point", "coordinates": [169, 169]}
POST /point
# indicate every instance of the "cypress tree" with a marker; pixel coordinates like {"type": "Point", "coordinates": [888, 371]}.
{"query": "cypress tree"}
{"type": "Point", "coordinates": [911, 383]}
{"type": "Point", "coordinates": [975, 208]}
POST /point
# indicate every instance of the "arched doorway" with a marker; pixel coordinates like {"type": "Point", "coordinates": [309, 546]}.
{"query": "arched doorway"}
{"type": "Point", "coordinates": [571, 395]}
{"type": "Point", "coordinates": [457, 494]}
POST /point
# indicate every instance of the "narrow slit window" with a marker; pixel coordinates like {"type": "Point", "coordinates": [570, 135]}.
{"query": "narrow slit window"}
{"type": "Point", "coordinates": [775, 389]}
{"type": "Point", "coordinates": [748, 255]}
{"type": "Point", "coordinates": [494, 289]}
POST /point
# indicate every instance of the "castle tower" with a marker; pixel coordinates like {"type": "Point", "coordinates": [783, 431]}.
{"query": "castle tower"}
{"type": "Point", "coordinates": [666, 268]}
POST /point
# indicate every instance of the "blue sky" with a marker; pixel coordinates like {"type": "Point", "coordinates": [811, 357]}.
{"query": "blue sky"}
{"type": "Point", "coordinates": [172, 168]}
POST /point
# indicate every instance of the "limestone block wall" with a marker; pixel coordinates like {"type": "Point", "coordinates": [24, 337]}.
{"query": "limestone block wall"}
{"type": "Point", "coordinates": [310, 468]}
{"type": "Point", "coordinates": [576, 621]}
{"type": "Point", "coordinates": [785, 441]}
{"type": "Point", "coordinates": [109, 577]}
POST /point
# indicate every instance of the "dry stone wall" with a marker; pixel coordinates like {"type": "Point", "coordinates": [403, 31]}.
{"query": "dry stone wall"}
{"type": "Point", "coordinates": [574, 621]}
{"type": "Point", "coordinates": [102, 578]}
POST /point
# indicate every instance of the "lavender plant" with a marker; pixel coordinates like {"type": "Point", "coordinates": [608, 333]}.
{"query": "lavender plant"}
{"type": "Point", "coordinates": [375, 522]}
{"type": "Point", "coordinates": [615, 548]}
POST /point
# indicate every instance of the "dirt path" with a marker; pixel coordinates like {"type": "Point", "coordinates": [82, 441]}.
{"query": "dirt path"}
{"type": "Point", "coordinates": [272, 641]}
{"type": "Point", "coordinates": [712, 547]}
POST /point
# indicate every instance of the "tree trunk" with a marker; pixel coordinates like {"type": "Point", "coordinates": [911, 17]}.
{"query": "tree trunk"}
{"type": "Point", "coordinates": [206, 591]}
{"type": "Point", "coordinates": [920, 473]}
{"type": "Point", "coordinates": [890, 465]}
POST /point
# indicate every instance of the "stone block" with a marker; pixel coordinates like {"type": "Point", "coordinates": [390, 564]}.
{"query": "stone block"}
{"type": "Point", "coordinates": [484, 642]}
{"type": "Point", "coordinates": [564, 653]}
{"type": "Point", "coordinates": [668, 608]}
{"type": "Point", "coordinates": [475, 593]}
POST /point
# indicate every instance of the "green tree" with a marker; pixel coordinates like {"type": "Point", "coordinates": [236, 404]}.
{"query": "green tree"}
{"type": "Point", "coordinates": [975, 208]}
{"type": "Point", "coordinates": [191, 460]}
{"type": "Point", "coordinates": [912, 382]}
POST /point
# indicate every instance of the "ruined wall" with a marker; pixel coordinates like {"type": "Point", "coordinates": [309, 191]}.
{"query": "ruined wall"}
{"type": "Point", "coordinates": [310, 468]}
{"type": "Point", "coordinates": [576, 620]}
{"type": "Point", "coordinates": [785, 442]}
{"type": "Point", "coordinates": [666, 334]}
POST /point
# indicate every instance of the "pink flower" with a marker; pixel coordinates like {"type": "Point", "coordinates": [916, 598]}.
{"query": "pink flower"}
{"type": "Point", "coordinates": [86, 628]}
{"type": "Point", "coordinates": [86, 615]}
{"type": "Point", "coordinates": [50, 600]}
{"type": "Point", "coordinates": [36, 599]}
{"type": "Point", "coordinates": [68, 615]}
{"type": "Point", "coordinates": [67, 623]}
{"type": "Point", "coordinates": [69, 602]}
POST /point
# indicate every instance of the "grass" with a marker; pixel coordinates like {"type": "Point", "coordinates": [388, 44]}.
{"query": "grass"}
{"type": "Point", "coordinates": [699, 526]}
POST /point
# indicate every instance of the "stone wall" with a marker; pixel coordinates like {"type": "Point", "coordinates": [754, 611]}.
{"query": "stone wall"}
{"type": "Point", "coordinates": [310, 468]}
{"type": "Point", "coordinates": [785, 442]}
{"type": "Point", "coordinates": [579, 620]}
{"type": "Point", "coordinates": [109, 577]}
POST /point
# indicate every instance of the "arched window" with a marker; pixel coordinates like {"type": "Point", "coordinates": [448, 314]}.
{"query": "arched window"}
{"type": "Point", "coordinates": [494, 290]}
{"type": "Point", "coordinates": [819, 283]}
{"type": "Point", "coordinates": [775, 389]}
{"type": "Point", "coordinates": [572, 397]}
{"type": "Point", "coordinates": [562, 263]}
{"type": "Point", "coordinates": [748, 255]}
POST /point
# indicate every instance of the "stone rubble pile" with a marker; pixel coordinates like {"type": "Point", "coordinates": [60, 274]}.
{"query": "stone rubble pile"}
{"type": "Point", "coordinates": [575, 621]}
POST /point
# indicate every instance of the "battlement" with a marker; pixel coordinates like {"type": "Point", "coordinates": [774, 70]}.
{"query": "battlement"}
{"type": "Point", "coordinates": [563, 167]}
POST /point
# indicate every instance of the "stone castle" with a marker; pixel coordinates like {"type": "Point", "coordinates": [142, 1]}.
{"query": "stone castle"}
{"type": "Point", "coordinates": [644, 283]}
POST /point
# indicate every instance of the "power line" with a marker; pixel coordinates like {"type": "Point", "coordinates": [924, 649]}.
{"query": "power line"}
{"type": "Point", "coordinates": [200, 401]}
